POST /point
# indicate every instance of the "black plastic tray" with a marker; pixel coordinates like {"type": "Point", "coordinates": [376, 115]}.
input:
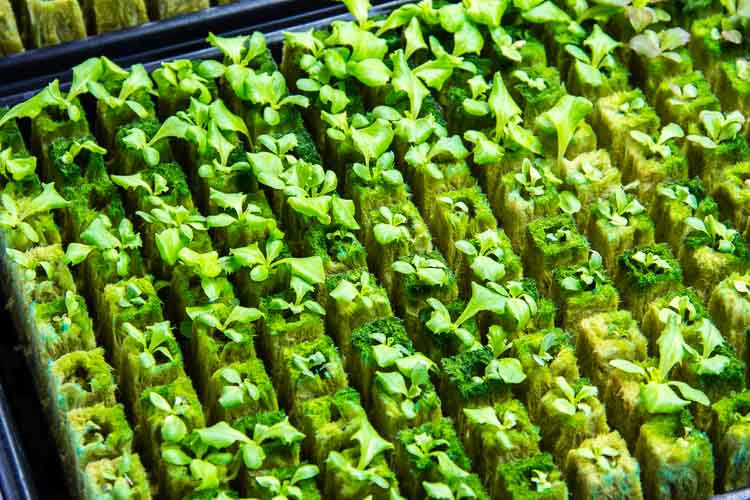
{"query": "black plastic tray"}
{"type": "Point", "coordinates": [18, 71]}
{"type": "Point", "coordinates": [17, 479]}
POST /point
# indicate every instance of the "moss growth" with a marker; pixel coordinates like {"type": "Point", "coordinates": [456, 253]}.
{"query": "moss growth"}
{"type": "Point", "coordinates": [530, 478]}
{"type": "Point", "coordinates": [104, 477]}
{"type": "Point", "coordinates": [487, 445]}
{"type": "Point", "coordinates": [309, 370]}
{"type": "Point", "coordinates": [553, 242]}
{"type": "Point", "coordinates": [344, 313]}
{"type": "Point", "coordinates": [229, 400]}
{"type": "Point", "coordinates": [676, 460]}
{"type": "Point", "coordinates": [532, 100]}
{"type": "Point", "coordinates": [730, 310]}
{"type": "Point", "coordinates": [645, 273]}
{"type": "Point", "coordinates": [730, 435]}
{"type": "Point", "coordinates": [340, 250]}
{"type": "Point", "coordinates": [604, 337]}
{"type": "Point", "coordinates": [603, 476]}
{"type": "Point", "coordinates": [674, 105]}
{"type": "Point", "coordinates": [733, 196]}
{"type": "Point", "coordinates": [555, 349]}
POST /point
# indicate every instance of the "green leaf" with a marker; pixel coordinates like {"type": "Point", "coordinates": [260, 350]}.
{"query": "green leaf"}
{"type": "Point", "coordinates": [371, 72]}
{"type": "Point", "coordinates": [77, 253]}
{"type": "Point", "coordinates": [175, 456]}
{"type": "Point", "coordinates": [370, 443]}
{"type": "Point", "coordinates": [628, 367]}
{"type": "Point", "coordinates": [564, 118]}
{"type": "Point", "coordinates": [221, 435]}
{"type": "Point", "coordinates": [691, 394]}
{"type": "Point", "coordinates": [660, 398]}
{"type": "Point", "coordinates": [374, 140]}
{"type": "Point", "coordinates": [404, 80]}
{"type": "Point", "coordinates": [252, 455]}
{"type": "Point", "coordinates": [414, 38]}
{"type": "Point", "coordinates": [438, 491]}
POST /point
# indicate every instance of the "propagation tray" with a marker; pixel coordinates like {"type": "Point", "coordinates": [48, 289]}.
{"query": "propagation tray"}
{"type": "Point", "coordinates": [25, 462]}
{"type": "Point", "coordinates": [29, 466]}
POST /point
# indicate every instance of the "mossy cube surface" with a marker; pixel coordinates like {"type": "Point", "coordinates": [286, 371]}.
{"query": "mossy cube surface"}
{"type": "Point", "coordinates": [10, 37]}
{"type": "Point", "coordinates": [675, 202]}
{"type": "Point", "coordinates": [388, 413]}
{"type": "Point", "coordinates": [373, 346]}
{"type": "Point", "coordinates": [297, 384]}
{"type": "Point", "coordinates": [149, 418]}
{"type": "Point", "coordinates": [540, 378]}
{"type": "Point", "coordinates": [705, 266]}
{"type": "Point", "coordinates": [411, 291]}
{"type": "Point", "coordinates": [607, 336]}
{"type": "Point", "coordinates": [530, 98]}
{"type": "Point", "coordinates": [345, 313]}
{"type": "Point", "coordinates": [588, 479]}
{"type": "Point", "coordinates": [563, 432]}
{"type": "Point", "coordinates": [553, 242]}
{"type": "Point", "coordinates": [733, 196]}
{"type": "Point", "coordinates": [486, 445]}
{"type": "Point", "coordinates": [674, 106]}
{"type": "Point", "coordinates": [279, 452]}
{"type": "Point", "coordinates": [646, 273]}
{"type": "Point", "coordinates": [96, 432]}
{"type": "Point", "coordinates": [61, 326]}
{"type": "Point", "coordinates": [730, 436]}
{"type": "Point", "coordinates": [340, 250]}
{"type": "Point", "coordinates": [649, 170]}
{"type": "Point", "coordinates": [611, 239]}
{"type": "Point", "coordinates": [675, 463]}
{"type": "Point", "coordinates": [413, 469]}
{"type": "Point", "coordinates": [414, 238]}
{"type": "Point", "coordinates": [229, 400]}
{"type": "Point", "coordinates": [103, 478]}
{"type": "Point", "coordinates": [459, 215]}
{"type": "Point", "coordinates": [136, 371]}
{"type": "Point", "coordinates": [615, 115]}
{"type": "Point", "coordinates": [516, 479]}
{"type": "Point", "coordinates": [730, 309]}
{"type": "Point", "coordinates": [329, 422]}
{"type": "Point", "coordinates": [81, 379]}
{"type": "Point", "coordinates": [577, 305]}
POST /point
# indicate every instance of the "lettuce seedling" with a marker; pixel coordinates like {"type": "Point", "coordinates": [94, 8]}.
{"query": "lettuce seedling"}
{"type": "Point", "coordinates": [181, 75]}
{"type": "Point", "coordinates": [237, 51]}
{"type": "Point", "coordinates": [16, 168]}
{"type": "Point", "coordinates": [588, 277]}
{"type": "Point", "coordinates": [487, 260]}
{"type": "Point", "coordinates": [533, 182]}
{"type": "Point", "coordinates": [17, 214]}
{"type": "Point", "coordinates": [85, 73]}
{"type": "Point", "coordinates": [619, 208]}
{"type": "Point", "coordinates": [208, 267]}
{"type": "Point", "coordinates": [430, 272]}
{"type": "Point", "coordinates": [393, 229]}
{"type": "Point", "coordinates": [113, 246]}
{"type": "Point", "coordinates": [719, 128]}
{"type": "Point", "coordinates": [224, 319]}
{"type": "Point", "coordinates": [710, 339]}
{"type": "Point", "coordinates": [564, 118]}
{"type": "Point", "coordinates": [514, 300]}
{"type": "Point", "coordinates": [663, 44]}
{"type": "Point", "coordinates": [440, 322]}
{"type": "Point", "coordinates": [371, 446]}
{"type": "Point", "coordinates": [383, 172]}
{"type": "Point", "coordinates": [77, 146]}
{"type": "Point", "coordinates": [487, 416]}
{"type": "Point", "coordinates": [151, 341]}
{"type": "Point", "coordinates": [591, 66]}
{"type": "Point", "coordinates": [301, 303]}
{"type": "Point", "coordinates": [287, 489]}
{"type": "Point", "coordinates": [414, 369]}
{"type": "Point", "coordinates": [260, 263]}
{"type": "Point", "coordinates": [506, 369]}
{"type": "Point", "coordinates": [137, 80]}
{"type": "Point", "coordinates": [180, 224]}
{"type": "Point", "coordinates": [245, 214]}
{"type": "Point", "coordinates": [427, 448]}
{"type": "Point", "coordinates": [266, 90]}
{"type": "Point", "coordinates": [235, 389]}
{"type": "Point", "coordinates": [362, 291]}
{"type": "Point", "coordinates": [574, 401]}
{"type": "Point", "coordinates": [659, 146]}
{"type": "Point", "coordinates": [656, 393]}
{"type": "Point", "coordinates": [605, 457]}
{"type": "Point", "coordinates": [640, 13]}
{"type": "Point", "coordinates": [541, 481]}
{"type": "Point", "coordinates": [426, 156]}
{"type": "Point", "coordinates": [710, 232]}
{"type": "Point", "coordinates": [173, 428]}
